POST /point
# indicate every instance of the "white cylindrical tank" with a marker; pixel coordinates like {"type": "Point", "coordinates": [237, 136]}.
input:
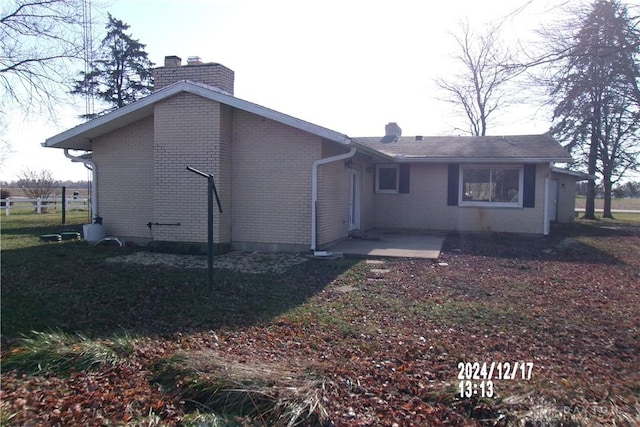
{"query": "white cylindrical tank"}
{"type": "Point", "coordinates": [93, 233]}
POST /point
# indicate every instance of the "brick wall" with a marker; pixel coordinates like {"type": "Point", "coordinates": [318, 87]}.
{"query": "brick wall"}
{"type": "Point", "coordinates": [271, 198]}
{"type": "Point", "coordinates": [187, 133]}
{"type": "Point", "coordinates": [223, 174]}
{"type": "Point", "coordinates": [124, 161]}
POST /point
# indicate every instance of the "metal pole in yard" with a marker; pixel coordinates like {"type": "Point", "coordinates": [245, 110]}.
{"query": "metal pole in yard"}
{"type": "Point", "coordinates": [64, 204]}
{"type": "Point", "coordinates": [211, 190]}
{"type": "Point", "coordinates": [210, 229]}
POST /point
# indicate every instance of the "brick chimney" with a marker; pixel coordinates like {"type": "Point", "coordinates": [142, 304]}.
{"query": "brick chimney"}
{"type": "Point", "coordinates": [210, 73]}
{"type": "Point", "coordinates": [391, 132]}
{"type": "Point", "coordinates": [172, 61]}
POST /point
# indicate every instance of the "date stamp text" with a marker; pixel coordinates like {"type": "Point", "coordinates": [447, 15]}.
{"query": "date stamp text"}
{"type": "Point", "coordinates": [477, 378]}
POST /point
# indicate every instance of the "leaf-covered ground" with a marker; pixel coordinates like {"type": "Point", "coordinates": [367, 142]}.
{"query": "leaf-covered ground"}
{"type": "Point", "coordinates": [380, 340]}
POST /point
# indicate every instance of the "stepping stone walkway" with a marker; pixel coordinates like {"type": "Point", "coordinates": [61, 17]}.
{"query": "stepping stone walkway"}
{"type": "Point", "coordinates": [346, 289]}
{"type": "Point", "coordinates": [377, 272]}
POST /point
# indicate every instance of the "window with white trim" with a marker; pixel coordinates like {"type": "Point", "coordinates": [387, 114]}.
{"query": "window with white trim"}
{"type": "Point", "coordinates": [387, 179]}
{"type": "Point", "coordinates": [496, 186]}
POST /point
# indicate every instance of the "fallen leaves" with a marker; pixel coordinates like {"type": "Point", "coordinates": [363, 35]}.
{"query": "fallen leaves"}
{"type": "Point", "coordinates": [85, 398]}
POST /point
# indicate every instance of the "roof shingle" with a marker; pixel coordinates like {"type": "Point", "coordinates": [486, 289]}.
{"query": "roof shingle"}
{"type": "Point", "coordinates": [470, 148]}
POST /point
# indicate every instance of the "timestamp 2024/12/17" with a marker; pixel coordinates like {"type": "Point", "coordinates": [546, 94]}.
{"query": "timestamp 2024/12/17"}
{"type": "Point", "coordinates": [476, 379]}
{"type": "Point", "coordinates": [476, 371]}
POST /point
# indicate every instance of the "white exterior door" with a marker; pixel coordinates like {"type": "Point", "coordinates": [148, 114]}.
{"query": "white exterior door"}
{"type": "Point", "coordinates": [354, 199]}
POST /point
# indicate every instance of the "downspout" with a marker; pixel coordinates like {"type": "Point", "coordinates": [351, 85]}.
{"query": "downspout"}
{"type": "Point", "coordinates": [91, 165]}
{"type": "Point", "coordinates": [546, 225]}
{"type": "Point", "coordinates": [314, 191]}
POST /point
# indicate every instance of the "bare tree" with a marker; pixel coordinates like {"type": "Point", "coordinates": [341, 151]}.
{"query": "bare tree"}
{"type": "Point", "coordinates": [38, 38]}
{"type": "Point", "coordinates": [5, 146]}
{"type": "Point", "coordinates": [487, 68]}
{"type": "Point", "coordinates": [36, 184]}
{"type": "Point", "coordinates": [594, 87]}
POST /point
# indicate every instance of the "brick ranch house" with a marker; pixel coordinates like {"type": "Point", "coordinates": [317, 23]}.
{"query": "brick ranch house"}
{"type": "Point", "coordinates": [289, 185]}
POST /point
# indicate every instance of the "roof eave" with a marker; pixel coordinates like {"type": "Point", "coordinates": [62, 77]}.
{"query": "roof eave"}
{"type": "Point", "coordinates": [423, 159]}
{"type": "Point", "coordinates": [579, 176]}
{"type": "Point", "coordinates": [80, 136]}
{"type": "Point", "coordinates": [372, 152]}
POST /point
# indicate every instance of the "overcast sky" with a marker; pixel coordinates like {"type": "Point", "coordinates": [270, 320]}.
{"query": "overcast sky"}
{"type": "Point", "coordinates": [348, 65]}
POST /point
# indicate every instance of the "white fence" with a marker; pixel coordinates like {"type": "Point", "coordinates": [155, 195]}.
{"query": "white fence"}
{"type": "Point", "coordinates": [40, 204]}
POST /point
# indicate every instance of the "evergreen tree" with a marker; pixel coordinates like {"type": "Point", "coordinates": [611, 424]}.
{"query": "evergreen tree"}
{"type": "Point", "coordinates": [597, 113]}
{"type": "Point", "coordinates": [121, 74]}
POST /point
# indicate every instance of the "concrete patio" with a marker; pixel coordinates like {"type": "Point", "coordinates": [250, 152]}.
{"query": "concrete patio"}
{"type": "Point", "coordinates": [391, 244]}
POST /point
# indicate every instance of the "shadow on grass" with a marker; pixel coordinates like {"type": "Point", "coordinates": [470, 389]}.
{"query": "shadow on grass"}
{"type": "Point", "coordinates": [563, 244]}
{"type": "Point", "coordinates": [70, 287]}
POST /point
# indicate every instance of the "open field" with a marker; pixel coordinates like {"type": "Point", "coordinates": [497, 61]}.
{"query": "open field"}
{"type": "Point", "coordinates": [616, 204]}
{"type": "Point", "coordinates": [345, 342]}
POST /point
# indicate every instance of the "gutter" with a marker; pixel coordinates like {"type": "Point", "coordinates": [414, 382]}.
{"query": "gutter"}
{"type": "Point", "coordinates": [579, 176]}
{"type": "Point", "coordinates": [314, 192]}
{"type": "Point", "coordinates": [484, 160]}
{"type": "Point", "coordinates": [91, 165]}
{"type": "Point", "coordinates": [547, 223]}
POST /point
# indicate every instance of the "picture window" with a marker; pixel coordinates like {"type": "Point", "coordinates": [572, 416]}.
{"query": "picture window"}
{"type": "Point", "coordinates": [491, 186]}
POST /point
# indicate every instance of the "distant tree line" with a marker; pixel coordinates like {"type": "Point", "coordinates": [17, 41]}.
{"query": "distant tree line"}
{"type": "Point", "coordinates": [58, 184]}
{"type": "Point", "coordinates": [630, 189]}
{"type": "Point", "coordinates": [35, 184]}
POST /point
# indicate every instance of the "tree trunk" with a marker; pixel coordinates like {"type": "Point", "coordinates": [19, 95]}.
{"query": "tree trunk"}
{"type": "Point", "coordinates": [590, 206]}
{"type": "Point", "coordinates": [608, 186]}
